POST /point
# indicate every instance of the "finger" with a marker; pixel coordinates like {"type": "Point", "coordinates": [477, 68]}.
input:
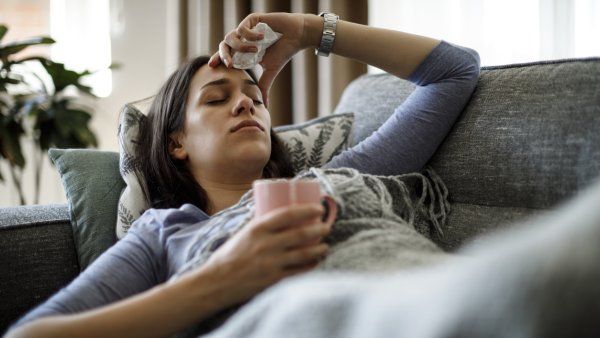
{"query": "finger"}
{"type": "Point", "coordinates": [304, 256]}
{"type": "Point", "coordinates": [225, 54]}
{"type": "Point", "coordinates": [250, 21]}
{"type": "Point", "coordinates": [290, 216]}
{"type": "Point", "coordinates": [246, 48]}
{"type": "Point", "coordinates": [248, 34]}
{"type": "Point", "coordinates": [297, 270]}
{"type": "Point", "coordinates": [295, 237]}
{"type": "Point", "coordinates": [214, 60]}
{"type": "Point", "coordinates": [237, 45]}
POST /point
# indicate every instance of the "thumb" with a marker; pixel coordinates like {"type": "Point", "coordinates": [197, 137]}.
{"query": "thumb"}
{"type": "Point", "coordinates": [265, 82]}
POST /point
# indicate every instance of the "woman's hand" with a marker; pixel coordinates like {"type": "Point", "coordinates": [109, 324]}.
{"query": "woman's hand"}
{"type": "Point", "coordinates": [296, 37]}
{"type": "Point", "coordinates": [281, 243]}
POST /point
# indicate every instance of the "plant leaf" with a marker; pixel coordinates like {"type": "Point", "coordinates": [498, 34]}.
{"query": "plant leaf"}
{"type": "Point", "coordinates": [85, 89]}
{"type": "Point", "coordinates": [3, 30]}
{"type": "Point", "coordinates": [17, 46]}
{"type": "Point", "coordinates": [115, 65]}
{"type": "Point", "coordinates": [31, 58]}
{"type": "Point", "coordinates": [10, 145]}
{"type": "Point", "coordinates": [62, 77]}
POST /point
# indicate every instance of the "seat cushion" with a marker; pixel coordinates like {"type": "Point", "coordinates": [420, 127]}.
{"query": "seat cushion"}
{"type": "Point", "coordinates": [470, 223]}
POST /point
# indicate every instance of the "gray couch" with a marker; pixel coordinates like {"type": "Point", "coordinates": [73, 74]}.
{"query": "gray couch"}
{"type": "Point", "coordinates": [528, 139]}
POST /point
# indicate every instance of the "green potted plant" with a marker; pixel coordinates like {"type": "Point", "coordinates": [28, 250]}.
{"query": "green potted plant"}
{"type": "Point", "coordinates": [46, 114]}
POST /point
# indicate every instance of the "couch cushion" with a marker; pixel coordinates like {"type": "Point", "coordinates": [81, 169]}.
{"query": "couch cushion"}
{"type": "Point", "coordinates": [528, 138]}
{"type": "Point", "coordinates": [38, 257]}
{"type": "Point", "coordinates": [470, 223]}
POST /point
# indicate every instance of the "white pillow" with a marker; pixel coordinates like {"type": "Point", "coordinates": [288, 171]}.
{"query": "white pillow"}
{"type": "Point", "coordinates": [310, 144]}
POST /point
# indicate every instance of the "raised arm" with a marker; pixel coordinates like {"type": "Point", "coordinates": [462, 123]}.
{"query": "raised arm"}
{"type": "Point", "coordinates": [411, 135]}
{"type": "Point", "coordinates": [445, 75]}
{"type": "Point", "coordinates": [395, 52]}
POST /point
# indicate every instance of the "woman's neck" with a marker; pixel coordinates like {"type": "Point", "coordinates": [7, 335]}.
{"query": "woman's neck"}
{"type": "Point", "coordinates": [221, 200]}
{"type": "Point", "coordinates": [223, 193]}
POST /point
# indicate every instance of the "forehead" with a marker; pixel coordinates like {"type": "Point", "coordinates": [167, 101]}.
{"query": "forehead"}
{"type": "Point", "coordinates": [208, 74]}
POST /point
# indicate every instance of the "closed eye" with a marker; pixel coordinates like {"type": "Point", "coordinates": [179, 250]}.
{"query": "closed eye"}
{"type": "Point", "coordinates": [214, 102]}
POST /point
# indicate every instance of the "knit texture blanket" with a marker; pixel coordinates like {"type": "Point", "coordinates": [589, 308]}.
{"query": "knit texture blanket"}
{"type": "Point", "coordinates": [382, 225]}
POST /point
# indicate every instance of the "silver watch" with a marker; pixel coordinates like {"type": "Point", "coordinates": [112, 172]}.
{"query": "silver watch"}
{"type": "Point", "coordinates": [329, 25]}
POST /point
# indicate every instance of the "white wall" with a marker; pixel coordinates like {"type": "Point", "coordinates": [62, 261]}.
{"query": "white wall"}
{"type": "Point", "coordinates": [139, 43]}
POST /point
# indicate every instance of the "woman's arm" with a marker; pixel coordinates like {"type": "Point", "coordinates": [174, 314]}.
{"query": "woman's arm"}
{"type": "Point", "coordinates": [412, 134]}
{"type": "Point", "coordinates": [120, 295]}
{"type": "Point", "coordinates": [268, 249]}
{"type": "Point", "coordinates": [395, 52]}
{"type": "Point", "coordinates": [159, 312]}
{"type": "Point", "coordinates": [446, 75]}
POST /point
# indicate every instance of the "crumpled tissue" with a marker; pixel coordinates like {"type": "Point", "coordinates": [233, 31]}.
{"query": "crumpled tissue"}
{"type": "Point", "coordinates": [249, 60]}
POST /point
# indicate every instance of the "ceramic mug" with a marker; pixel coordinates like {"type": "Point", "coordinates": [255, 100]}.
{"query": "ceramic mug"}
{"type": "Point", "coordinates": [271, 194]}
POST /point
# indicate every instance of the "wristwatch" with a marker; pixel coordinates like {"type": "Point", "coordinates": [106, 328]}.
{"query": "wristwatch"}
{"type": "Point", "coordinates": [329, 25]}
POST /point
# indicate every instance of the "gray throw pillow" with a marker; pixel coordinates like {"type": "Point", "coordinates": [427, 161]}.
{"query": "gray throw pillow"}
{"type": "Point", "coordinates": [93, 185]}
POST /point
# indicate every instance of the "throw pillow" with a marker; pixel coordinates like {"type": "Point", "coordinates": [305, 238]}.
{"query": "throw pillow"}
{"type": "Point", "coordinates": [311, 144]}
{"type": "Point", "coordinates": [316, 142]}
{"type": "Point", "coordinates": [92, 185]}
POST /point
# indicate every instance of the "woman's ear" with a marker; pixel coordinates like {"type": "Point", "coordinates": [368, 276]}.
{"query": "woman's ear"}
{"type": "Point", "coordinates": [176, 149]}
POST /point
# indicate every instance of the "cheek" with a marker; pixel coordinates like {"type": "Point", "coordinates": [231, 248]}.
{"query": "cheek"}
{"type": "Point", "coordinates": [203, 137]}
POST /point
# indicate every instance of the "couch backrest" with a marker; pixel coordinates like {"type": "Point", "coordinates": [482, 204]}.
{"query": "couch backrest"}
{"type": "Point", "coordinates": [528, 138]}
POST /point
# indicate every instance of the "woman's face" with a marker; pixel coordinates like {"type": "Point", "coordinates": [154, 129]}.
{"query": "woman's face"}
{"type": "Point", "coordinates": [218, 99]}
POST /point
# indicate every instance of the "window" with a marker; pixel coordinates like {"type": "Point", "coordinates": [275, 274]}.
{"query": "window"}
{"type": "Point", "coordinates": [82, 34]}
{"type": "Point", "coordinates": [79, 27]}
{"type": "Point", "coordinates": [502, 32]}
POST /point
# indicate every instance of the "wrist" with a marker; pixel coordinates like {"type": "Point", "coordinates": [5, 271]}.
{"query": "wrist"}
{"type": "Point", "coordinates": [313, 30]}
{"type": "Point", "coordinates": [197, 289]}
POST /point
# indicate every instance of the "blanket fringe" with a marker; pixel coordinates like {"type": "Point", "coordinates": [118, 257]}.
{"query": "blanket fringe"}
{"type": "Point", "coordinates": [434, 194]}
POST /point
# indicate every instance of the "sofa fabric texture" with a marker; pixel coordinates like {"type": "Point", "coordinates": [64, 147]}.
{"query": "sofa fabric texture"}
{"type": "Point", "coordinates": [526, 141]}
{"type": "Point", "coordinates": [38, 257]}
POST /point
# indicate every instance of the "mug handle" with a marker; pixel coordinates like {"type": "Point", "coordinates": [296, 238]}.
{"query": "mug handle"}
{"type": "Point", "coordinates": [330, 209]}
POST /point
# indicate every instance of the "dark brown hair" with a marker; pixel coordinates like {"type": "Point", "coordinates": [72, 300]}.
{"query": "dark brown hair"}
{"type": "Point", "coordinates": [168, 182]}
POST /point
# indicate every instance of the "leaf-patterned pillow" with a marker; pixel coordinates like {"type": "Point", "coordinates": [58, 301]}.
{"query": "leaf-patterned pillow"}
{"type": "Point", "coordinates": [316, 142]}
{"type": "Point", "coordinates": [311, 144]}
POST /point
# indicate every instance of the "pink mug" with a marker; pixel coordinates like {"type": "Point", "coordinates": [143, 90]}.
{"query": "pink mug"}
{"type": "Point", "coordinates": [271, 194]}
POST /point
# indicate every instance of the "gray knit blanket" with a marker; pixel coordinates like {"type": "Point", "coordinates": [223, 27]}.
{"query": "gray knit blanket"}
{"type": "Point", "coordinates": [382, 225]}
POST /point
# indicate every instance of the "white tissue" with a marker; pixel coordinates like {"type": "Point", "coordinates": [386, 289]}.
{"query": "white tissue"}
{"type": "Point", "coordinates": [249, 60]}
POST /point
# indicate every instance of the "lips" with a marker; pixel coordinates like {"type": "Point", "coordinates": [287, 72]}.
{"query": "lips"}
{"type": "Point", "coordinates": [247, 123]}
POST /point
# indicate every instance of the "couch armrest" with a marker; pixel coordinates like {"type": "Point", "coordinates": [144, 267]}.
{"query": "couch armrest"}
{"type": "Point", "coordinates": [38, 257]}
{"type": "Point", "coordinates": [33, 214]}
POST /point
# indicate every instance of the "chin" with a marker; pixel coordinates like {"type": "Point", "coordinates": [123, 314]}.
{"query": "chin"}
{"type": "Point", "coordinates": [253, 154]}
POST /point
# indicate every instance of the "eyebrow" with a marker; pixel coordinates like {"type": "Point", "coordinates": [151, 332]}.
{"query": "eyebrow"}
{"type": "Point", "coordinates": [224, 80]}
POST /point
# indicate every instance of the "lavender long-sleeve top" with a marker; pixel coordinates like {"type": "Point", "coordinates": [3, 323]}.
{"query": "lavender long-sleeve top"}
{"type": "Point", "coordinates": [155, 246]}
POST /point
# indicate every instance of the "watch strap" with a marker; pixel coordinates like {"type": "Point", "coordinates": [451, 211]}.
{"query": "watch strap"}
{"type": "Point", "coordinates": [329, 28]}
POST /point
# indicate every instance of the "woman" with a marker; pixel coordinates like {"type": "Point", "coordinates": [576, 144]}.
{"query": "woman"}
{"type": "Point", "coordinates": [201, 164]}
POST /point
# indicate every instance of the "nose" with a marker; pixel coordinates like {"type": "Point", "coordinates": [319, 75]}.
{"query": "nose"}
{"type": "Point", "coordinates": [244, 104]}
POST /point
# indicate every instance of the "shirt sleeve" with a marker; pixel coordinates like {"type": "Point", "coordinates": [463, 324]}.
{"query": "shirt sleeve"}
{"type": "Point", "coordinates": [132, 265]}
{"type": "Point", "coordinates": [404, 143]}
